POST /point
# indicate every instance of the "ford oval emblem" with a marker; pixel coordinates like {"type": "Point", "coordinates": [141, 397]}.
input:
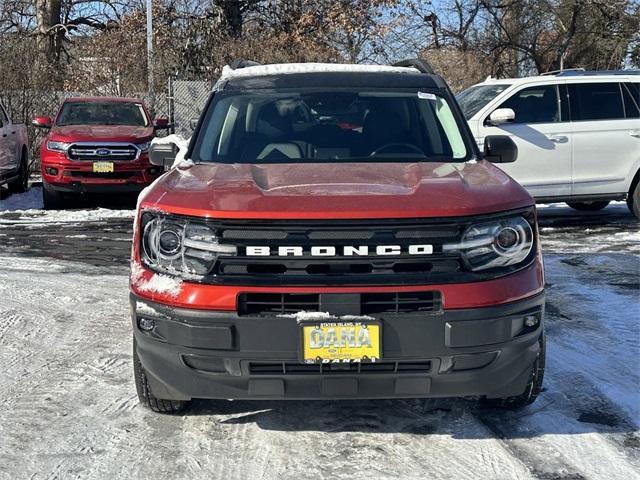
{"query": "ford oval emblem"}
{"type": "Point", "coordinates": [103, 152]}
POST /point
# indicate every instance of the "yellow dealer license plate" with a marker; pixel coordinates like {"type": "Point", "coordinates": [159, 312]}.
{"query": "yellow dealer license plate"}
{"type": "Point", "coordinates": [341, 342]}
{"type": "Point", "coordinates": [103, 167]}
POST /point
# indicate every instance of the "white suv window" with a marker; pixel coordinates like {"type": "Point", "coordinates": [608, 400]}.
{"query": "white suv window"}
{"type": "Point", "coordinates": [596, 101]}
{"type": "Point", "coordinates": [537, 104]}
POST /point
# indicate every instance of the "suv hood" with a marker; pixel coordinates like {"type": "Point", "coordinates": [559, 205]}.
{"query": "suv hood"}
{"type": "Point", "coordinates": [104, 133]}
{"type": "Point", "coordinates": [348, 190]}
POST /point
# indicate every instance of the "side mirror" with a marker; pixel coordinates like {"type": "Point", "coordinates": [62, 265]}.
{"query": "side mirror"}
{"type": "Point", "coordinates": [42, 122]}
{"type": "Point", "coordinates": [500, 149]}
{"type": "Point", "coordinates": [500, 116]}
{"type": "Point", "coordinates": [161, 123]}
{"type": "Point", "coordinates": [163, 154]}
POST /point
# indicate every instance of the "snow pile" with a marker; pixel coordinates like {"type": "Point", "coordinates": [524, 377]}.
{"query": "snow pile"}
{"type": "Point", "coordinates": [304, 316]}
{"type": "Point", "coordinates": [289, 68]}
{"type": "Point", "coordinates": [35, 217]}
{"type": "Point", "coordinates": [157, 283]}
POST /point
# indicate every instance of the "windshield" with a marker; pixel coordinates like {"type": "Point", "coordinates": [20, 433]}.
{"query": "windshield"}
{"type": "Point", "coordinates": [267, 127]}
{"type": "Point", "coordinates": [474, 98]}
{"type": "Point", "coordinates": [102, 113]}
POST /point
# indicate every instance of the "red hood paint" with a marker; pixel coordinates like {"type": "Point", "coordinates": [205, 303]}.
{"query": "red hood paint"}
{"type": "Point", "coordinates": [323, 191]}
{"type": "Point", "coordinates": [104, 133]}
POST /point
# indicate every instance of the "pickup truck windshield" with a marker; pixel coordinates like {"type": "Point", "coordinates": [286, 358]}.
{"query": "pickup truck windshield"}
{"type": "Point", "coordinates": [102, 113]}
{"type": "Point", "coordinates": [474, 98]}
{"type": "Point", "coordinates": [284, 127]}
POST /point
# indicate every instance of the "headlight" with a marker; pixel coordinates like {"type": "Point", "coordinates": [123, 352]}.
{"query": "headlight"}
{"type": "Point", "coordinates": [143, 147]}
{"type": "Point", "coordinates": [57, 146]}
{"type": "Point", "coordinates": [180, 246]}
{"type": "Point", "coordinates": [500, 243]}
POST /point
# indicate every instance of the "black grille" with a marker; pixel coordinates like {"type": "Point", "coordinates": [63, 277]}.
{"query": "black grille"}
{"type": "Point", "coordinates": [370, 269]}
{"type": "Point", "coordinates": [277, 303]}
{"type": "Point", "coordinates": [112, 175]}
{"type": "Point", "coordinates": [271, 304]}
{"type": "Point", "coordinates": [404, 302]}
{"type": "Point", "coordinates": [286, 368]}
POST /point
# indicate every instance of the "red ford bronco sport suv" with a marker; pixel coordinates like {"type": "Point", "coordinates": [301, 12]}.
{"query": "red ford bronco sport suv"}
{"type": "Point", "coordinates": [332, 231]}
{"type": "Point", "coordinates": [97, 145]}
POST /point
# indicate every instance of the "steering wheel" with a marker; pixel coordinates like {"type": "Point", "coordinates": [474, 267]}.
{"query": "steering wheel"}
{"type": "Point", "coordinates": [409, 146]}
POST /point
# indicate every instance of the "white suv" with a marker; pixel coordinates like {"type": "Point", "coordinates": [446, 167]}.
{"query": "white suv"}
{"type": "Point", "coordinates": [577, 132]}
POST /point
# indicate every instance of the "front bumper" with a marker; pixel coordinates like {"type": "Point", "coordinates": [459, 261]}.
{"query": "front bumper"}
{"type": "Point", "coordinates": [66, 176]}
{"type": "Point", "coordinates": [463, 352]}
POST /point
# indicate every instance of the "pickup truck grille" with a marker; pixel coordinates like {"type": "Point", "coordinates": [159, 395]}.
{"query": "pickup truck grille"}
{"type": "Point", "coordinates": [96, 152]}
{"type": "Point", "coordinates": [402, 268]}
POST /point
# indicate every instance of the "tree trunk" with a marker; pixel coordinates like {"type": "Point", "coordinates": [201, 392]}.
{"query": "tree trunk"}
{"type": "Point", "coordinates": [49, 31]}
{"type": "Point", "coordinates": [232, 12]}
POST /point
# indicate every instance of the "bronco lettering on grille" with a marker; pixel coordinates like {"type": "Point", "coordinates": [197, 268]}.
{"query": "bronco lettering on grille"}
{"type": "Point", "coordinates": [331, 251]}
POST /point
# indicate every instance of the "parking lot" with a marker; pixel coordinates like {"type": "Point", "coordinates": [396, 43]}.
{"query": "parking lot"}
{"type": "Point", "coordinates": [68, 407]}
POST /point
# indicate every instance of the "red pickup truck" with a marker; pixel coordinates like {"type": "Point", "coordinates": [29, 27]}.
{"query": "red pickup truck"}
{"type": "Point", "coordinates": [97, 145]}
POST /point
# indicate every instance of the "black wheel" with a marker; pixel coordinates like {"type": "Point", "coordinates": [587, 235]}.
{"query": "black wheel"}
{"type": "Point", "coordinates": [633, 200]}
{"type": "Point", "coordinates": [51, 199]}
{"type": "Point", "coordinates": [588, 206]}
{"type": "Point", "coordinates": [534, 386]}
{"type": "Point", "coordinates": [145, 395]}
{"type": "Point", "coordinates": [21, 184]}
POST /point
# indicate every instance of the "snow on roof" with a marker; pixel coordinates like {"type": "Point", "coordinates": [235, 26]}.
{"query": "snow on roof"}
{"type": "Point", "coordinates": [287, 68]}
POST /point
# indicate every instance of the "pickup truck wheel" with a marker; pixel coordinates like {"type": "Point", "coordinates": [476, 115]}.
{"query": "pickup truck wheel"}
{"type": "Point", "coordinates": [588, 206]}
{"type": "Point", "coordinates": [633, 201]}
{"type": "Point", "coordinates": [534, 386]}
{"type": "Point", "coordinates": [21, 184]}
{"type": "Point", "coordinates": [51, 199]}
{"type": "Point", "coordinates": [145, 395]}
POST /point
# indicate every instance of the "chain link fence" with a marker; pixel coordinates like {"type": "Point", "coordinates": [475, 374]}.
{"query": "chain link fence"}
{"type": "Point", "coordinates": [187, 99]}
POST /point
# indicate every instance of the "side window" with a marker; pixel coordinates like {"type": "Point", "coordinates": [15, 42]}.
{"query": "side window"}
{"type": "Point", "coordinates": [535, 105]}
{"type": "Point", "coordinates": [631, 96]}
{"type": "Point", "coordinates": [596, 101]}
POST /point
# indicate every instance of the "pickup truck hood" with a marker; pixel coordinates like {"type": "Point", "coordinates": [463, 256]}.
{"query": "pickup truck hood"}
{"type": "Point", "coordinates": [104, 133]}
{"type": "Point", "coordinates": [348, 190]}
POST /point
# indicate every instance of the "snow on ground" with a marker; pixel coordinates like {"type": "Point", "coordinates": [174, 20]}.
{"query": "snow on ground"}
{"type": "Point", "coordinates": [68, 407]}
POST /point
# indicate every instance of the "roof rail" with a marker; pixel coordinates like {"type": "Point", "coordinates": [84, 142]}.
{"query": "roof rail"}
{"type": "Point", "coordinates": [242, 63]}
{"type": "Point", "coordinates": [419, 64]}
{"type": "Point", "coordinates": [559, 72]}
{"type": "Point", "coordinates": [568, 73]}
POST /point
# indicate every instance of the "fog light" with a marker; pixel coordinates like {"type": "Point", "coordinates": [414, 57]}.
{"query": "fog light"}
{"type": "Point", "coordinates": [51, 170]}
{"type": "Point", "coordinates": [146, 324]}
{"type": "Point", "coordinates": [530, 321]}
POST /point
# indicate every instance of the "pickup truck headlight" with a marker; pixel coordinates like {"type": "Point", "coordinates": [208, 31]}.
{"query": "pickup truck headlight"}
{"type": "Point", "coordinates": [180, 246]}
{"type": "Point", "coordinates": [57, 146]}
{"type": "Point", "coordinates": [500, 243]}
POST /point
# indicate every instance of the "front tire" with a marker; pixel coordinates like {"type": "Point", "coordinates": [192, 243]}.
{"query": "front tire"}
{"type": "Point", "coordinates": [21, 184]}
{"type": "Point", "coordinates": [633, 201]}
{"type": "Point", "coordinates": [534, 386]}
{"type": "Point", "coordinates": [145, 395]}
{"type": "Point", "coordinates": [588, 206]}
{"type": "Point", "coordinates": [51, 199]}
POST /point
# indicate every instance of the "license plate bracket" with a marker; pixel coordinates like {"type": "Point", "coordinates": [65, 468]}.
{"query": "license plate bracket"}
{"type": "Point", "coordinates": [339, 341]}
